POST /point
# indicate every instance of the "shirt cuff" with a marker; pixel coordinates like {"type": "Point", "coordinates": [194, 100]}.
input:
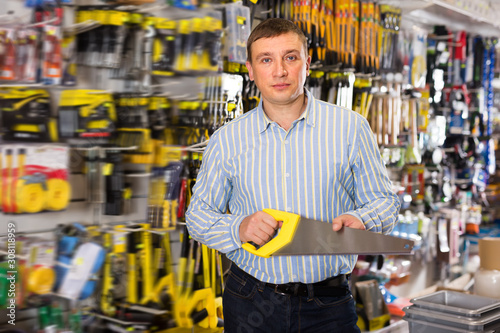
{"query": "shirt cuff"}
{"type": "Point", "coordinates": [235, 230]}
{"type": "Point", "coordinates": [356, 215]}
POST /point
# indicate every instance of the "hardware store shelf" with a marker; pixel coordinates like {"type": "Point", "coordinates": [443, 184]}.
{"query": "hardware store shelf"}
{"type": "Point", "coordinates": [81, 212]}
{"type": "Point", "coordinates": [470, 16]}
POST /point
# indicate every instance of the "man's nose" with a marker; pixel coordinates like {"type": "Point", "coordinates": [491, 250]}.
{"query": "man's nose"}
{"type": "Point", "coordinates": [280, 69]}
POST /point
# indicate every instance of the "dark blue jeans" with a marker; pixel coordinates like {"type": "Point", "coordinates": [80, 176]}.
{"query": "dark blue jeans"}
{"type": "Point", "coordinates": [251, 306]}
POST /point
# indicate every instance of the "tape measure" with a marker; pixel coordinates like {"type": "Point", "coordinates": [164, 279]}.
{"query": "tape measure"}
{"type": "Point", "coordinates": [53, 194]}
{"type": "Point", "coordinates": [30, 198]}
{"type": "Point", "coordinates": [58, 194]}
{"type": "Point", "coordinates": [41, 280]}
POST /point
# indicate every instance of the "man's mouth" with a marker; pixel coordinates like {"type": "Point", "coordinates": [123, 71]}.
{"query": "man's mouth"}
{"type": "Point", "coordinates": [281, 85]}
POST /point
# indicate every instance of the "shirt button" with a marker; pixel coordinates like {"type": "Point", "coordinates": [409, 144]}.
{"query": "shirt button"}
{"type": "Point", "coordinates": [288, 209]}
{"type": "Point", "coordinates": [287, 174]}
{"type": "Point", "coordinates": [286, 142]}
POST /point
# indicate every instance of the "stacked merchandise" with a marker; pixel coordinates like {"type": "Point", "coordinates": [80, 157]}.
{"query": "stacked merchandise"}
{"type": "Point", "coordinates": [150, 88]}
{"type": "Point", "coordinates": [449, 311]}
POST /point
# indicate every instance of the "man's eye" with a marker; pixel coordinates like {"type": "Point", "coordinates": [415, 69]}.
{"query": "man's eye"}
{"type": "Point", "coordinates": [291, 58]}
{"type": "Point", "coordinates": [266, 60]}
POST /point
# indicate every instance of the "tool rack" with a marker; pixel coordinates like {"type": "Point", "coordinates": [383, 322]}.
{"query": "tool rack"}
{"type": "Point", "coordinates": [421, 13]}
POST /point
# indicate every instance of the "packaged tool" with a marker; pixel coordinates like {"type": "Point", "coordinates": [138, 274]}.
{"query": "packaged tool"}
{"type": "Point", "coordinates": [212, 42]}
{"type": "Point", "coordinates": [25, 114]}
{"type": "Point", "coordinates": [158, 112]}
{"type": "Point", "coordinates": [81, 280]}
{"type": "Point", "coordinates": [389, 38]}
{"type": "Point", "coordinates": [131, 64]}
{"type": "Point", "coordinates": [114, 39]}
{"type": "Point", "coordinates": [186, 35]}
{"type": "Point", "coordinates": [69, 61]}
{"type": "Point", "coordinates": [96, 37]}
{"type": "Point", "coordinates": [86, 113]}
{"type": "Point", "coordinates": [118, 192]}
{"type": "Point", "coordinates": [32, 273]}
{"type": "Point", "coordinates": [130, 2]}
{"type": "Point", "coordinates": [35, 178]}
{"type": "Point", "coordinates": [189, 4]}
{"type": "Point", "coordinates": [164, 195]}
{"type": "Point", "coordinates": [40, 3]}
{"type": "Point", "coordinates": [165, 46]}
{"type": "Point", "coordinates": [102, 46]}
{"type": "Point", "coordinates": [238, 23]}
{"type": "Point", "coordinates": [133, 129]}
{"type": "Point", "coordinates": [194, 52]}
{"type": "Point", "coordinates": [27, 55]}
{"type": "Point", "coordinates": [79, 260]}
{"type": "Point", "coordinates": [114, 275]}
{"type": "Point", "coordinates": [52, 55]}
{"type": "Point", "coordinates": [36, 266]}
{"type": "Point", "coordinates": [68, 237]}
{"type": "Point", "coordinates": [8, 70]}
{"type": "Point", "coordinates": [371, 308]}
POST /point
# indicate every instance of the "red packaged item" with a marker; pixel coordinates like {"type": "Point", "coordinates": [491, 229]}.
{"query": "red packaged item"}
{"type": "Point", "coordinates": [34, 178]}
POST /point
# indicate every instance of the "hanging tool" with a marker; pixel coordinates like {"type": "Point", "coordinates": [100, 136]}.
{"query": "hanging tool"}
{"type": "Point", "coordinates": [302, 236]}
{"type": "Point", "coordinates": [413, 155]}
{"type": "Point", "coordinates": [170, 207]}
{"type": "Point", "coordinates": [86, 113]}
{"type": "Point", "coordinates": [164, 292]}
{"type": "Point", "coordinates": [25, 115]}
{"type": "Point", "coordinates": [355, 22]}
{"type": "Point", "coordinates": [371, 29]}
{"type": "Point", "coordinates": [156, 193]}
{"type": "Point", "coordinates": [133, 244]}
{"type": "Point", "coordinates": [316, 54]}
{"type": "Point", "coordinates": [146, 260]}
{"type": "Point", "coordinates": [165, 47]}
{"type": "Point", "coordinates": [198, 307]}
{"type": "Point", "coordinates": [7, 176]}
{"type": "Point", "coordinates": [106, 303]}
{"type": "Point", "coordinates": [330, 56]}
{"type": "Point", "coordinates": [305, 9]}
{"type": "Point", "coordinates": [340, 21]}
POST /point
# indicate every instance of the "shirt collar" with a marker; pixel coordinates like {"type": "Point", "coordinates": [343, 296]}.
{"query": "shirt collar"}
{"type": "Point", "coordinates": [309, 113]}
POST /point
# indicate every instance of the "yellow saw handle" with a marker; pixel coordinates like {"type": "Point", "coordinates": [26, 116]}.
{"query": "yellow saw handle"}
{"type": "Point", "coordinates": [285, 235]}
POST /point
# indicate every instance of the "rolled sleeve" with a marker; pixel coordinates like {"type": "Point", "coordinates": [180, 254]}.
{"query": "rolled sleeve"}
{"type": "Point", "coordinates": [207, 218]}
{"type": "Point", "coordinates": [377, 205]}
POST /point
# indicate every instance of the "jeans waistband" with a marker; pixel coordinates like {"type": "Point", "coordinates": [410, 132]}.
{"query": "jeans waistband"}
{"type": "Point", "coordinates": [336, 286]}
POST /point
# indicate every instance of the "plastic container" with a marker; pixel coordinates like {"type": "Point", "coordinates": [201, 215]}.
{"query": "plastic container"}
{"type": "Point", "coordinates": [420, 326]}
{"type": "Point", "coordinates": [457, 303]}
{"type": "Point", "coordinates": [487, 283]}
{"type": "Point", "coordinates": [488, 321]}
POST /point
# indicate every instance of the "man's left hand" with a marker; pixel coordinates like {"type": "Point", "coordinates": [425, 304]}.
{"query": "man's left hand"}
{"type": "Point", "coordinates": [347, 220]}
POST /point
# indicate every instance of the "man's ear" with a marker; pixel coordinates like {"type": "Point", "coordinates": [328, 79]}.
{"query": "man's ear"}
{"type": "Point", "coordinates": [250, 70]}
{"type": "Point", "coordinates": [308, 65]}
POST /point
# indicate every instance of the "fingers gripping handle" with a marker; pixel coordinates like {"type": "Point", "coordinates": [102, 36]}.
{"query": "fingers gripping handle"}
{"type": "Point", "coordinates": [285, 236]}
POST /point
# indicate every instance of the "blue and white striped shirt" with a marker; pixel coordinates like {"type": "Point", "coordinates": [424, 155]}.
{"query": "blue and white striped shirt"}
{"type": "Point", "coordinates": [325, 165]}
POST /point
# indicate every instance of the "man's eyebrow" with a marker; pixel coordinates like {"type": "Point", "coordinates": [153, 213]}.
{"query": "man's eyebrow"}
{"type": "Point", "coordinates": [291, 51]}
{"type": "Point", "coordinates": [267, 53]}
{"type": "Point", "coordinates": [262, 55]}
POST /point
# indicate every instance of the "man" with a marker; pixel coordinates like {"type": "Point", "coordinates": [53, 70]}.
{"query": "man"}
{"type": "Point", "coordinates": [296, 154]}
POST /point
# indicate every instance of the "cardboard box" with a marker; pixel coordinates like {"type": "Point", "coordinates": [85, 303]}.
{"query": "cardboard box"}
{"type": "Point", "coordinates": [370, 306]}
{"type": "Point", "coordinates": [489, 249]}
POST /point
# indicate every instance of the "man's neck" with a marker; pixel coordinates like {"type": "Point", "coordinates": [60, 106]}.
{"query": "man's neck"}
{"type": "Point", "coordinates": [285, 115]}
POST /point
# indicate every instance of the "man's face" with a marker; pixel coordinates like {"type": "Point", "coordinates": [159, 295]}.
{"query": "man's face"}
{"type": "Point", "coordinates": [279, 68]}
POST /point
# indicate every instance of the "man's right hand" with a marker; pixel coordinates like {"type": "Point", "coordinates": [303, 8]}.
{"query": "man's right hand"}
{"type": "Point", "coordinates": [258, 228]}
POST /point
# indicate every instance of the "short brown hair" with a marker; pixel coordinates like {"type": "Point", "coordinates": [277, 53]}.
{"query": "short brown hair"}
{"type": "Point", "coordinates": [271, 28]}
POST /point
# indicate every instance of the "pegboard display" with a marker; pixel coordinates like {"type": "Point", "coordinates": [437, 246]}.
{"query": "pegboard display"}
{"type": "Point", "coordinates": [107, 106]}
